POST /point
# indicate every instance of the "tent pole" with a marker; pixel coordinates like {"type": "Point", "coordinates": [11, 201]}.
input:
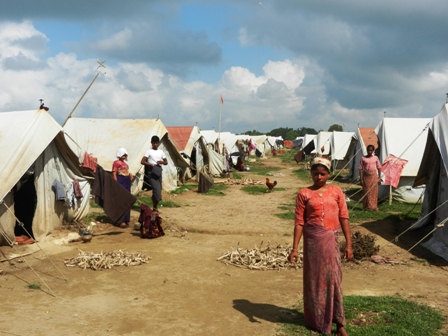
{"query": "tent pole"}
{"type": "Point", "coordinates": [101, 65]}
{"type": "Point", "coordinates": [390, 194]}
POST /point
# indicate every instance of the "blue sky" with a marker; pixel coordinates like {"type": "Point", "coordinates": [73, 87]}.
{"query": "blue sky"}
{"type": "Point", "coordinates": [277, 63]}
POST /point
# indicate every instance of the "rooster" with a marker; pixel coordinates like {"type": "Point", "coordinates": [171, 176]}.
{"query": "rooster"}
{"type": "Point", "coordinates": [270, 184]}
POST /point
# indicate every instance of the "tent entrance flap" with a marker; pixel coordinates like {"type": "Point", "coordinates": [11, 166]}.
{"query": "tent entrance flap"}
{"type": "Point", "coordinates": [25, 201]}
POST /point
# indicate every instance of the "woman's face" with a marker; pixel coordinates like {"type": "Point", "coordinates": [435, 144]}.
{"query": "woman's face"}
{"type": "Point", "coordinates": [320, 175]}
{"type": "Point", "coordinates": [370, 151]}
{"type": "Point", "coordinates": [123, 157]}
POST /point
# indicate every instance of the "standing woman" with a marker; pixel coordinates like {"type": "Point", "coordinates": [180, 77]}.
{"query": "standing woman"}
{"type": "Point", "coordinates": [369, 175]}
{"type": "Point", "coordinates": [320, 211]}
{"type": "Point", "coordinates": [120, 173]}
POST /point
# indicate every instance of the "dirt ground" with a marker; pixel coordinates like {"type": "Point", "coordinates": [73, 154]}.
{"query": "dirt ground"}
{"type": "Point", "coordinates": [184, 290]}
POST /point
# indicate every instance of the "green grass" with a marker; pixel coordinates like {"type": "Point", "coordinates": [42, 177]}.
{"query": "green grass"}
{"type": "Point", "coordinates": [395, 212]}
{"type": "Point", "coordinates": [92, 204]}
{"type": "Point", "coordinates": [259, 168]}
{"type": "Point", "coordinates": [288, 155]}
{"type": "Point", "coordinates": [378, 315]}
{"type": "Point", "coordinates": [216, 190]}
{"type": "Point", "coordinates": [304, 175]}
{"type": "Point", "coordinates": [257, 189]}
{"type": "Point", "coordinates": [237, 176]}
{"type": "Point", "coordinates": [148, 201]}
{"type": "Point", "coordinates": [288, 211]}
{"type": "Point", "coordinates": [93, 216]}
{"type": "Point", "coordinates": [184, 188]}
{"type": "Point", "coordinates": [33, 286]}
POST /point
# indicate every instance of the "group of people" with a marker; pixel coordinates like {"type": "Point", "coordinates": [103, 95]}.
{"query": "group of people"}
{"type": "Point", "coordinates": [153, 160]}
{"type": "Point", "coordinates": [320, 212]}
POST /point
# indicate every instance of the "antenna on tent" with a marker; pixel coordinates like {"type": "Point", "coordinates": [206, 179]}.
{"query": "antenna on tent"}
{"type": "Point", "coordinates": [384, 114]}
{"type": "Point", "coordinates": [446, 100]}
{"type": "Point", "coordinates": [101, 65]}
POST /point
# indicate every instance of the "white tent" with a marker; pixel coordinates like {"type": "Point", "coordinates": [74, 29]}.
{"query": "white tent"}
{"type": "Point", "coordinates": [339, 145]}
{"type": "Point", "coordinates": [308, 144]}
{"type": "Point", "coordinates": [35, 154]}
{"type": "Point", "coordinates": [362, 138]}
{"type": "Point", "coordinates": [404, 138]}
{"type": "Point", "coordinates": [433, 172]}
{"type": "Point", "coordinates": [102, 137]}
{"type": "Point", "coordinates": [192, 145]}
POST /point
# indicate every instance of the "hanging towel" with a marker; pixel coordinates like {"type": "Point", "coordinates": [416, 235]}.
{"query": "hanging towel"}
{"type": "Point", "coordinates": [89, 162]}
{"type": "Point", "coordinates": [58, 189]}
{"type": "Point", "coordinates": [77, 188]}
{"type": "Point", "coordinates": [70, 195]}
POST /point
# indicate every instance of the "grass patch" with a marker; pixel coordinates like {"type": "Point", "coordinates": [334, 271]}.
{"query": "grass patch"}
{"type": "Point", "coordinates": [216, 190]}
{"type": "Point", "coordinates": [184, 188]}
{"type": "Point", "coordinates": [148, 201]}
{"type": "Point", "coordinates": [288, 155]}
{"type": "Point", "coordinates": [259, 168]}
{"type": "Point", "coordinates": [92, 204]}
{"type": "Point", "coordinates": [395, 212]}
{"type": "Point", "coordinates": [303, 174]}
{"type": "Point", "coordinates": [378, 315]}
{"type": "Point", "coordinates": [237, 176]}
{"type": "Point", "coordinates": [33, 286]}
{"type": "Point", "coordinates": [93, 216]}
{"type": "Point", "coordinates": [288, 211]}
{"type": "Point", "coordinates": [257, 189]}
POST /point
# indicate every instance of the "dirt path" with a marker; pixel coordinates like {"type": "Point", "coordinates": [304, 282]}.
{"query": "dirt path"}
{"type": "Point", "coordinates": [184, 290]}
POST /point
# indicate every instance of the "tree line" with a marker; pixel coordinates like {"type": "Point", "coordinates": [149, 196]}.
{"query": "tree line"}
{"type": "Point", "coordinates": [290, 134]}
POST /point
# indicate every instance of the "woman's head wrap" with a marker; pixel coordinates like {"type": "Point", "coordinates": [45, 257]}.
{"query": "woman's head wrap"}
{"type": "Point", "coordinates": [322, 161]}
{"type": "Point", "coordinates": [121, 152]}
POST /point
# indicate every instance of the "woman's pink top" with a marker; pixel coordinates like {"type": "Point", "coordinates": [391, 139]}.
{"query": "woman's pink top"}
{"type": "Point", "coordinates": [369, 163]}
{"type": "Point", "coordinates": [120, 167]}
{"type": "Point", "coordinates": [324, 208]}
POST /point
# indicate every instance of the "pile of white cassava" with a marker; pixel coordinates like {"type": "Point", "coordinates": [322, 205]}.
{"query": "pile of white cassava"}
{"type": "Point", "coordinates": [262, 258]}
{"type": "Point", "coordinates": [243, 181]}
{"type": "Point", "coordinates": [106, 259]}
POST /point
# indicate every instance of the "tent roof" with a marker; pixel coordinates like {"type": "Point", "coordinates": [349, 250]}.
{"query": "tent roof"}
{"type": "Point", "coordinates": [369, 136]}
{"type": "Point", "coordinates": [404, 138]}
{"type": "Point", "coordinates": [23, 137]}
{"type": "Point", "coordinates": [102, 137]}
{"type": "Point", "coordinates": [181, 135]}
{"type": "Point", "coordinates": [340, 143]}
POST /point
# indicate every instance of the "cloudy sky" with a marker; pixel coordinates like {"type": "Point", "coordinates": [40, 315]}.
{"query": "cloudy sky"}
{"type": "Point", "coordinates": [276, 63]}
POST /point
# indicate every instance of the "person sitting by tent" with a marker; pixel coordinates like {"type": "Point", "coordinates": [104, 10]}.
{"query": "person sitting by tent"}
{"type": "Point", "coordinates": [240, 164]}
{"type": "Point", "coordinates": [120, 173]}
{"type": "Point", "coordinates": [369, 175]}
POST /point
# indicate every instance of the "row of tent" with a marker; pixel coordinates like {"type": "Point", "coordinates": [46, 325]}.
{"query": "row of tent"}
{"type": "Point", "coordinates": [41, 158]}
{"type": "Point", "coordinates": [422, 143]}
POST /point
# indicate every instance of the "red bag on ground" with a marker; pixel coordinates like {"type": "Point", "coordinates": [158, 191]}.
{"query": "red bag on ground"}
{"type": "Point", "coordinates": [151, 223]}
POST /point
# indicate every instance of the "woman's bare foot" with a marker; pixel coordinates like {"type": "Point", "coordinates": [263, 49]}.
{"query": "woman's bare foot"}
{"type": "Point", "coordinates": [341, 331]}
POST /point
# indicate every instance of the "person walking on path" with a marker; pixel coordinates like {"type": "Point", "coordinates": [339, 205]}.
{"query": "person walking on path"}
{"type": "Point", "coordinates": [320, 211]}
{"type": "Point", "coordinates": [154, 158]}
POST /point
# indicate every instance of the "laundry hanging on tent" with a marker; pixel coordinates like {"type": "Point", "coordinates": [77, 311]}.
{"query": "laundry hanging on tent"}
{"type": "Point", "coordinates": [59, 190]}
{"type": "Point", "coordinates": [89, 162]}
{"type": "Point", "coordinates": [77, 188]}
{"type": "Point", "coordinates": [391, 170]}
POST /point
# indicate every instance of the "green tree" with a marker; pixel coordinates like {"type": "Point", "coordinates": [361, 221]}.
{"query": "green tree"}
{"type": "Point", "coordinates": [301, 131]}
{"type": "Point", "coordinates": [254, 132]}
{"type": "Point", "coordinates": [335, 127]}
{"type": "Point", "coordinates": [282, 131]}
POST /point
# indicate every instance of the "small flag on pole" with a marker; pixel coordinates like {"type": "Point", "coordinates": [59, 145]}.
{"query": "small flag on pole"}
{"type": "Point", "coordinates": [222, 100]}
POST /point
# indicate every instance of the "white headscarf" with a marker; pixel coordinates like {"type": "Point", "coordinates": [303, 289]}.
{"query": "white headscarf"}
{"type": "Point", "coordinates": [121, 152]}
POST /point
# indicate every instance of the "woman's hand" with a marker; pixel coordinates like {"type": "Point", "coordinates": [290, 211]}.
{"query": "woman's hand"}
{"type": "Point", "coordinates": [132, 177]}
{"type": "Point", "coordinates": [293, 256]}
{"type": "Point", "coordinates": [348, 254]}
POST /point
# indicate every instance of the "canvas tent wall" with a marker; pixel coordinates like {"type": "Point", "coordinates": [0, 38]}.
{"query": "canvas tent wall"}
{"type": "Point", "coordinates": [319, 144]}
{"type": "Point", "coordinates": [339, 146]}
{"type": "Point", "coordinates": [191, 144]}
{"type": "Point", "coordinates": [433, 173]}
{"type": "Point", "coordinates": [217, 161]}
{"type": "Point", "coordinates": [405, 138]}
{"type": "Point", "coordinates": [35, 154]}
{"type": "Point", "coordinates": [102, 137]}
{"type": "Point", "coordinates": [363, 137]}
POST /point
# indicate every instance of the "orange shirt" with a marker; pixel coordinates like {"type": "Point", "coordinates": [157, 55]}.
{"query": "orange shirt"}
{"type": "Point", "coordinates": [326, 208]}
